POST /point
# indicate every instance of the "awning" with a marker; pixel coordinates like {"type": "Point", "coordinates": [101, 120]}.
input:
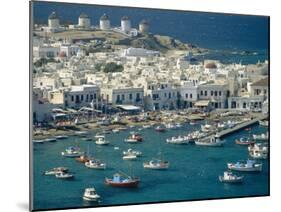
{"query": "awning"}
{"type": "Point", "coordinates": [128, 107]}
{"type": "Point", "coordinates": [202, 103]}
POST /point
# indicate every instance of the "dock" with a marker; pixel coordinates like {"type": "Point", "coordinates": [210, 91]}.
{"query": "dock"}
{"type": "Point", "coordinates": [238, 127]}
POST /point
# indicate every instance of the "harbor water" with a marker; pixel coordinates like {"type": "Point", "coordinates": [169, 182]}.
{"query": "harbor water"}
{"type": "Point", "coordinates": [193, 172]}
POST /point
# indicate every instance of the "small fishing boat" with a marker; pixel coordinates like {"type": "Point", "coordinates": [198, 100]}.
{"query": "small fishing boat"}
{"type": "Point", "coordinates": [122, 180]}
{"type": "Point", "coordinates": [129, 157]}
{"type": "Point", "coordinates": [61, 137]}
{"type": "Point", "coordinates": [244, 141]}
{"type": "Point", "coordinates": [229, 177]}
{"type": "Point", "coordinates": [156, 164]}
{"type": "Point", "coordinates": [246, 166]}
{"type": "Point", "coordinates": [63, 175]}
{"type": "Point", "coordinates": [264, 123]}
{"type": "Point", "coordinates": [258, 154]}
{"type": "Point", "coordinates": [101, 140]}
{"type": "Point", "coordinates": [90, 194]}
{"type": "Point", "coordinates": [213, 141]}
{"type": "Point", "coordinates": [95, 164]}
{"type": "Point", "coordinates": [178, 140]}
{"type": "Point", "coordinates": [160, 129]}
{"type": "Point", "coordinates": [134, 138]}
{"type": "Point", "coordinates": [261, 137]}
{"type": "Point", "coordinates": [132, 152]}
{"type": "Point", "coordinates": [56, 170]}
{"type": "Point", "coordinates": [72, 152]}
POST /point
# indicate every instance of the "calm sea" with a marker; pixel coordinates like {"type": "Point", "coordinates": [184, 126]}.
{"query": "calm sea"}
{"type": "Point", "coordinates": [193, 172]}
{"type": "Point", "coordinates": [227, 35]}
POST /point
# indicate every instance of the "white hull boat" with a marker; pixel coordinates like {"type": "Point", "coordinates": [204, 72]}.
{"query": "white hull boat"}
{"type": "Point", "coordinates": [229, 177]}
{"type": "Point", "coordinates": [90, 194]}
{"type": "Point", "coordinates": [248, 166]}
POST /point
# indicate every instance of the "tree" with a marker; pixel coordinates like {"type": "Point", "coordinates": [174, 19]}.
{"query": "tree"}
{"type": "Point", "coordinates": [113, 67]}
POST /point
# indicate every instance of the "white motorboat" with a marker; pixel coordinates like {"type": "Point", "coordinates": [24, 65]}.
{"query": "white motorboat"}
{"type": "Point", "coordinates": [115, 130]}
{"type": "Point", "coordinates": [170, 126]}
{"type": "Point", "coordinates": [80, 133]}
{"type": "Point", "coordinates": [156, 164]}
{"type": "Point", "coordinates": [146, 126]}
{"type": "Point", "coordinates": [72, 152]}
{"type": "Point", "coordinates": [63, 175]}
{"type": "Point", "coordinates": [134, 138]}
{"type": "Point", "coordinates": [56, 170]}
{"type": "Point", "coordinates": [132, 152]}
{"type": "Point", "coordinates": [229, 177]}
{"type": "Point", "coordinates": [101, 140]}
{"type": "Point", "coordinates": [261, 137]}
{"type": "Point", "coordinates": [90, 194]}
{"type": "Point", "coordinates": [246, 166]}
{"type": "Point", "coordinates": [213, 141]}
{"type": "Point", "coordinates": [95, 164]}
{"type": "Point", "coordinates": [129, 157]}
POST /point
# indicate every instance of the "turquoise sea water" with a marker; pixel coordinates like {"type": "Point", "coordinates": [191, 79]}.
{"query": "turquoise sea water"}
{"type": "Point", "coordinates": [193, 172]}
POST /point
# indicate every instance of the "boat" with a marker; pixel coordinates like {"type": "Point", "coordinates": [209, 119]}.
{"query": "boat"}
{"type": "Point", "coordinates": [63, 175]}
{"type": "Point", "coordinates": [192, 122]}
{"type": "Point", "coordinates": [122, 180]}
{"type": "Point", "coordinates": [160, 129]}
{"type": "Point", "coordinates": [246, 166]}
{"type": "Point", "coordinates": [229, 177]}
{"type": "Point", "coordinates": [244, 141]}
{"type": "Point", "coordinates": [129, 157]}
{"type": "Point", "coordinates": [50, 139]}
{"type": "Point", "coordinates": [213, 141]}
{"type": "Point", "coordinates": [178, 125]}
{"type": "Point", "coordinates": [146, 126]}
{"type": "Point", "coordinates": [132, 152]}
{"type": "Point", "coordinates": [221, 126]}
{"type": "Point", "coordinates": [258, 147]}
{"type": "Point", "coordinates": [170, 126]}
{"type": "Point", "coordinates": [261, 137]}
{"type": "Point", "coordinates": [80, 133]}
{"type": "Point", "coordinates": [38, 141]}
{"type": "Point", "coordinates": [90, 194]}
{"type": "Point", "coordinates": [156, 164]}
{"type": "Point", "coordinates": [264, 123]}
{"type": "Point", "coordinates": [61, 137]}
{"type": "Point", "coordinates": [258, 154]}
{"type": "Point", "coordinates": [206, 128]}
{"type": "Point", "coordinates": [72, 152]}
{"type": "Point", "coordinates": [115, 130]}
{"type": "Point", "coordinates": [134, 138]}
{"type": "Point", "coordinates": [178, 140]}
{"type": "Point", "coordinates": [116, 148]}
{"type": "Point", "coordinates": [86, 139]}
{"type": "Point", "coordinates": [95, 164]}
{"type": "Point", "coordinates": [56, 170]}
{"type": "Point", "coordinates": [101, 140]}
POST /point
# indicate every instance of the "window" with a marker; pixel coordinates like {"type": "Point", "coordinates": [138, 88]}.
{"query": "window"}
{"type": "Point", "coordinates": [118, 97]}
{"type": "Point", "coordinates": [186, 95]}
{"type": "Point", "coordinates": [201, 93]}
{"type": "Point", "coordinates": [165, 94]}
{"type": "Point", "coordinates": [190, 96]}
{"type": "Point", "coordinates": [212, 93]}
{"type": "Point", "coordinates": [123, 97]}
{"type": "Point", "coordinates": [87, 97]}
{"type": "Point", "coordinates": [169, 95]}
{"type": "Point", "coordinates": [91, 97]}
{"type": "Point", "coordinates": [130, 96]}
{"type": "Point", "coordinates": [72, 98]}
{"type": "Point", "coordinates": [95, 95]}
{"type": "Point", "coordinates": [82, 97]}
{"type": "Point", "coordinates": [216, 93]}
{"type": "Point", "coordinates": [206, 93]}
{"type": "Point", "coordinates": [219, 93]}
